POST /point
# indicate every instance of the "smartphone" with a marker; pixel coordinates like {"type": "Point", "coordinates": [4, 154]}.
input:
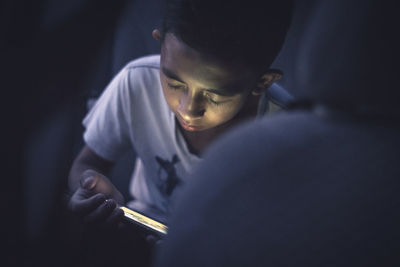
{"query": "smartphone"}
{"type": "Point", "coordinates": [145, 221]}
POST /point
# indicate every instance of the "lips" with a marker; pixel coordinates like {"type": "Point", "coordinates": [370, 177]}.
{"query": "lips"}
{"type": "Point", "coordinates": [186, 126]}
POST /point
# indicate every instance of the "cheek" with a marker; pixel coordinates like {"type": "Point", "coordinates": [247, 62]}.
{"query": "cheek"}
{"type": "Point", "coordinates": [223, 113]}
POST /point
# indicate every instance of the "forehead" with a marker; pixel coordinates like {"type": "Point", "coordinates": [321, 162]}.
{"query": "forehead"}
{"type": "Point", "coordinates": [204, 70]}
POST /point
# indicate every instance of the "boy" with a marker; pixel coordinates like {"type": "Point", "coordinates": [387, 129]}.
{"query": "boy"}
{"type": "Point", "coordinates": [213, 69]}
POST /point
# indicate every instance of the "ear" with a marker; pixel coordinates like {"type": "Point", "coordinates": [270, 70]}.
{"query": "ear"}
{"type": "Point", "coordinates": [266, 80]}
{"type": "Point", "coordinates": [156, 34]}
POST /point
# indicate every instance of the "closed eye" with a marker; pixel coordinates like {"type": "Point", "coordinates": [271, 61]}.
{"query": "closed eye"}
{"type": "Point", "coordinates": [215, 102]}
{"type": "Point", "coordinates": [175, 87]}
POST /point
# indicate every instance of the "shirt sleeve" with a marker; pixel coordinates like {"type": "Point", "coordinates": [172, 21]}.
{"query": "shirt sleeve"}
{"type": "Point", "coordinates": [107, 124]}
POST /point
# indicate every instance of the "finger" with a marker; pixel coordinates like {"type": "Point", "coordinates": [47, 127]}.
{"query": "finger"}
{"type": "Point", "coordinates": [89, 179]}
{"type": "Point", "coordinates": [97, 182]}
{"type": "Point", "coordinates": [83, 194]}
{"type": "Point", "coordinates": [80, 205]}
{"type": "Point", "coordinates": [102, 212]}
{"type": "Point", "coordinates": [118, 197]}
{"type": "Point", "coordinates": [115, 217]}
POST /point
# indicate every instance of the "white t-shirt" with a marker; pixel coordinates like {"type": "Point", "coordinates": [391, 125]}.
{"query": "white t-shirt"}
{"type": "Point", "coordinates": [132, 113]}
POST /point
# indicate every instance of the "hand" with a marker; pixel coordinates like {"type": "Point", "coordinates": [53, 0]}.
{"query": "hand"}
{"type": "Point", "coordinates": [96, 200]}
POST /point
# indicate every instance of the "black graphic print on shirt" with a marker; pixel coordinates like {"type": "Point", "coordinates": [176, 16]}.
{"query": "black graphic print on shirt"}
{"type": "Point", "coordinates": [167, 173]}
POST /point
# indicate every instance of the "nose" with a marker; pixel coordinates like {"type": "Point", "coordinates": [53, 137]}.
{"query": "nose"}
{"type": "Point", "coordinates": [191, 106]}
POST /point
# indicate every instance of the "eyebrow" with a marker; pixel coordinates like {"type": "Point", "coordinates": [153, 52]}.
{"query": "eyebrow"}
{"type": "Point", "coordinates": [222, 91]}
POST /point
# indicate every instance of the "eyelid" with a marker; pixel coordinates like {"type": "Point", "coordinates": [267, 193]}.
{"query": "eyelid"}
{"type": "Point", "coordinates": [210, 95]}
{"type": "Point", "coordinates": [174, 85]}
{"type": "Point", "coordinates": [174, 80]}
{"type": "Point", "coordinates": [211, 99]}
{"type": "Point", "coordinates": [177, 86]}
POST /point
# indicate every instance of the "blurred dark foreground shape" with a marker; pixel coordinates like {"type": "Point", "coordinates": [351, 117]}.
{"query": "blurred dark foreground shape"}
{"type": "Point", "coordinates": [56, 56]}
{"type": "Point", "coordinates": [317, 185]}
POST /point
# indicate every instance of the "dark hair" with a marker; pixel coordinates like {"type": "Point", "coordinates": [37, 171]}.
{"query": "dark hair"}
{"type": "Point", "coordinates": [249, 32]}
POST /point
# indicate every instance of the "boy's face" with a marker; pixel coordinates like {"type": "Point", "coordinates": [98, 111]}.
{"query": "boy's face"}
{"type": "Point", "coordinates": [202, 92]}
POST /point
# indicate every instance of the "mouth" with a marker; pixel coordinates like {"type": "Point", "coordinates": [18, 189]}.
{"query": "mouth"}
{"type": "Point", "coordinates": [188, 127]}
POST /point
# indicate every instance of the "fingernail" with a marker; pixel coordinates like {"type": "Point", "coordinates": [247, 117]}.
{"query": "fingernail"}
{"type": "Point", "coordinates": [89, 183]}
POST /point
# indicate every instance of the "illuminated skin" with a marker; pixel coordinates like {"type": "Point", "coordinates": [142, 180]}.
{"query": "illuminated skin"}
{"type": "Point", "coordinates": [206, 95]}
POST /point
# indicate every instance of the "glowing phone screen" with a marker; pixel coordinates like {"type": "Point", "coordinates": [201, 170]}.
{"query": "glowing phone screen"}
{"type": "Point", "coordinates": [141, 219]}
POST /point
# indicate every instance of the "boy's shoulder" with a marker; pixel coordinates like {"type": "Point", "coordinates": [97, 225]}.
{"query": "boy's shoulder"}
{"type": "Point", "coordinates": [150, 61]}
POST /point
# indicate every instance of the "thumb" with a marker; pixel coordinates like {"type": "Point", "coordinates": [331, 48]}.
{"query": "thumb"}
{"type": "Point", "coordinates": [89, 179]}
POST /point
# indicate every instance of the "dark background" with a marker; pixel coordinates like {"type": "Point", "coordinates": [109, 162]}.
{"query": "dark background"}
{"type": "Point", "coordinates": [56, 55]}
